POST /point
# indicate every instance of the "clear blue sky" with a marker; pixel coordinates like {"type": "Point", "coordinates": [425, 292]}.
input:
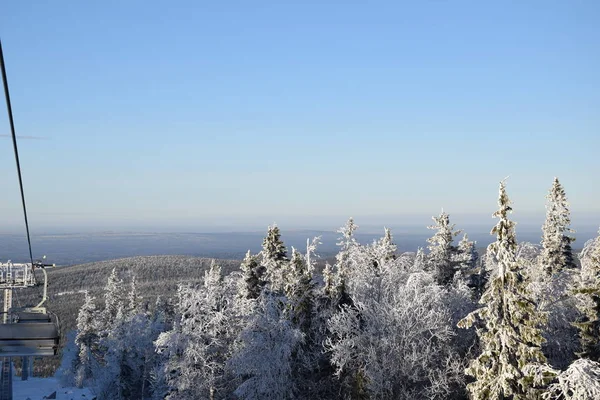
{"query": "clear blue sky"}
{"type": "Point", "coordinates": [187, 115]}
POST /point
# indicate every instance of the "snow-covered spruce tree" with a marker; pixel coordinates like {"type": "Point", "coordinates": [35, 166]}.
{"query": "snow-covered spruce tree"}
{"type": "Point", "coordinates": [420, 263]}
{"type": "Point", "coordinates": [252, 277]}
{"type": "Point", "coordinates": [124, 373]}
{"type": "Point", "coordinates": [552, 296]}
{"type": "Point", "coordinates": [263, 361]}
{"type": "Point", "coordinates": [133, 298]}
{"type": "Point", "coordinates": [113, 299]}
{"type": "Point", "coordinates": [442, 258]}
{"type": "Point", "coordinates": [507, 324]}
{"type": "Point", "coordinates": [345, 262]}
{"type": "Point", "coordinates": [274, 259]}
{"type": "Point", "coordinates": [311, 370]}
{"type": "Point", "coordinates": [299, 291]}
{"type": "Point", "coordinates": [328, 281]}
{"type": "Point", "coordinates": [382, 250]}
{"type": "Point", "coordinates": [86, 340]}
{"type": "Point", "coordinates": [467, 258]}
{"type": "Point", "coordinates": [588, 292]}
{"type": "Point", "coordinates": [200, 343]}
{"type": "Point", "coordinates": [556, 243]}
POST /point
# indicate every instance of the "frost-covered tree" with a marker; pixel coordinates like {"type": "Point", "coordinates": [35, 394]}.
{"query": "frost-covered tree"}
{"type": "Point", "coordinates": [299, 291]}
{"type": "Point", "coordinates": [113, 299]}
{"type": "Point", "coordinates": [467, 259]}
{"type": "Point", "coordinates": [263, 361]}
{"type": "Point", "coordinates": [420, 263]}
{"type": "Point", "coordinates": [123, 373]}
{"type": "Point", "coordinates": [581, 381]}
{"type": "Point", "coordinates": [443, 253]}
{"type": "Point", "coordinates": [588, 293]}
{"type": "Point", "coordinates": [344, 263]}
{"type": "Point", "coordinates": [507, 324]}
{"type": "Point", "coordinates": [252, 277]}
{"type": "Point", "coordinates": [347, 243]}
{"type": "Point", "coordinates": [382, 250]}
{"type": "Point", "coordinates": [557, 253]}
{"type": "Point", "coordinates": [328, 281]}
{"type": "Point", "coordinates": [554, 298]}
{"type": "Point", "coordinates": [199, 345]}
{"type": "Point", "coordinates": [133, 298]}
{"type": "Point", "coordinates": [274, 259]}
{"type": "Point", "coordinates": [86, 339]}
{"type": "Point", "coordinates": [394, 342]}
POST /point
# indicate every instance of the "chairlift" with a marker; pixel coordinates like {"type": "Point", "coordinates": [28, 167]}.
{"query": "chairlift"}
{"type": "Point", "coordinates": [29, 331]}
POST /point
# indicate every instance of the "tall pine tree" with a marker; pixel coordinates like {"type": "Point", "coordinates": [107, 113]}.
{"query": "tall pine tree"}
{"type": "Point", "coordinates": [274, 259]}
{"type": "Point", "coordinates": [508, 327]}
{"type": "Point", "coordinates": [442, 251]}
{"type": "Point", "coordinates": [252, 282]}
{"type": "Point", "coordinates": [556, 243]}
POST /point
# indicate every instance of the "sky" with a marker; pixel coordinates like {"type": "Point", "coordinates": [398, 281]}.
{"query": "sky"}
{"type": "Point", "coordinates": [198, 115]}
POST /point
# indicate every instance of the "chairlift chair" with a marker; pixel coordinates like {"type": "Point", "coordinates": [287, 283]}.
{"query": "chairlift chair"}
{"type": "Point", "coordinates": [27, 331]}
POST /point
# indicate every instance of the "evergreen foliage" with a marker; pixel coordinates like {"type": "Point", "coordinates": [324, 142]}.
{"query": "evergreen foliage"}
{"type": "Point", "coordinates": [443, 257]}
{"type": "Point", "coordinates": [274, 259]}
{"type": "Point", "coordinates": [253, 272]}
{"type": "Point", "coordinates": [557, 253]}
{"type": "Point", "coordinates": [508, 324]}
{"type": "Point", "coordinates": [588, 291]}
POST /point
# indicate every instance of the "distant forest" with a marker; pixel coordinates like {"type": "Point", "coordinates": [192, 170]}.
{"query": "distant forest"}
{"type": "Point", "coordinates": [516, 321]}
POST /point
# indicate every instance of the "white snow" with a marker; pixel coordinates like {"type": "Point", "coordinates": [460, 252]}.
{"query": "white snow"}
{"type": "Point", "coordinates": [37, 388]}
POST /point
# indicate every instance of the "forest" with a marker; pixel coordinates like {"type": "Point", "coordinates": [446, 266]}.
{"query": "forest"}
{"type": "Point", "coordinates": [519, 321]}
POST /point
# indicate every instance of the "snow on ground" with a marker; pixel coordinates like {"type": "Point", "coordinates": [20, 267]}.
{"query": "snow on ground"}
{"type": "Point", "coordinates": [37, 388]}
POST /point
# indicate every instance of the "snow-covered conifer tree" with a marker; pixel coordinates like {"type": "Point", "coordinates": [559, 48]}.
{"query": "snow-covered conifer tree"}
{"type": "Point", "coordinates": [472, 272]}
{"type": "Point", "coordinates": [556, 243]}
{"type": "Point", "coordinates": [328, 281]}
{"type": "Point", "coordinates": [86, 339]}
{"type": "Point", "coordinates": [588, 292]}
{"type": "Point", "coordinates": [442, 252]}
{"type": "Point", "coordinates": [420, 263]}
{"type": "Point", "coordinates": [345, 261]}
{"type": "Point", "coordinates": [113, 298]}
{"type": "Point", "coordinates": [274, 259]}
{"type": "Point", "coordinates": [508, 327]}
{"type": "Point", "coordinates": [468, 252]}
{"type": "Point", "coordinates": [299, 291]}
{"type": "Point", "coordinates": [133, 298]}
{"type": "Point", "coordinates": [200, 343]}
{"type": "Point", "coordinates": [252, 277]}
{"type": "Point", "coordinates": [264, 361]}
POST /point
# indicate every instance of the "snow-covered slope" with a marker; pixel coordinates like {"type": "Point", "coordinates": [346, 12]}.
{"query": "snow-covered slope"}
{"type": "Point", "coordinates": [37, 388]}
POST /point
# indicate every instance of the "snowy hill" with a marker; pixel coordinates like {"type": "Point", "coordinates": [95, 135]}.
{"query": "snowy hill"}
{"type": "Point", "coordinates": [155, 276]}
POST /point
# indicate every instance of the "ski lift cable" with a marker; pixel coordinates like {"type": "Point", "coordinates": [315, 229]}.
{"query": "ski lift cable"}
{"type": "Point", "coordinates": [14, 140]}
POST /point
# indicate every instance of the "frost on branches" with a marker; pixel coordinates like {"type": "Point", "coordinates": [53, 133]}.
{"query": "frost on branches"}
{"type": "Point", "coordinates": [252, 282]}
{"type": "Point", "coordinates": [557, 254]}
{"type": "Point", "coordinates": [581, 381]}
{"type": "Point", "coordinates": [393, 340]}
{"type": "Point", "coordinates": [274, 259]}
{"type": "Point", "coordinates": [264, 360]}
{"type": "Point", "coordinates": [442, 251]}
{"type": "Point", "coordinates": [588, 293]}
{"type": "Point", "coordinates": [507, 324]}
{"type": "Point", "coordinates": [199, 345]}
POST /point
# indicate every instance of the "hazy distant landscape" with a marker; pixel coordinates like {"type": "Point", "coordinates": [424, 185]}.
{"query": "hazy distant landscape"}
{"type": "Point", "coordinates": [70, 249]}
